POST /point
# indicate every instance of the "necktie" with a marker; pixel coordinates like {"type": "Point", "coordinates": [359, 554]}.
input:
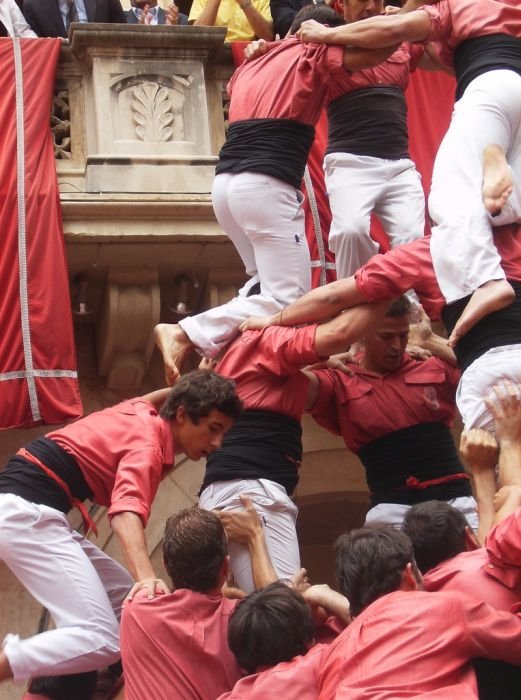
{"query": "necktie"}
{"type": "Point", "coordinates": [72, 12]}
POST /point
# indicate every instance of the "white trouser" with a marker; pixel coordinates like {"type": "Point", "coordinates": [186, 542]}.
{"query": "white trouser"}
{"type": "Point", "coordinates": [279, 515]}
{"type": "Point", "coordinates": [478, 379]}
{"type": "Point", "coordinates": [264, 219]}
{"type": "Point", "coordinates": [361, 185]}
{"type": "Point", "coordinates": [394, 513]}
{"type": "Point", "coordinates": [81, 587]}
{"type": "Point", "coordinates": [462, 248]}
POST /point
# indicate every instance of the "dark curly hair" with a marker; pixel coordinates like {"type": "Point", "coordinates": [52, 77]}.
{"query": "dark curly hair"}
{"type": "Point", "coordinates": [270, 626]}
{"type": "Point", "coordinates": [370, 562]}
{"type": "Point", "coordinates": [200, 392]}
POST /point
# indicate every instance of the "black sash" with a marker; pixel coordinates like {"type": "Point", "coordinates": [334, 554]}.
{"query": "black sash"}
{"type": "Point", "coordinates": [414, 464]}
{"type": "Point", "coordinates": [25, 479]}
{"type": "Point", "coordinates": [261, 445]}
{"type": "Point", "coordinates": [482, 54]}
{"type": "Point", "coordinates": [275, 147]}
{"type": "Point", "coordinates": [369, 122]}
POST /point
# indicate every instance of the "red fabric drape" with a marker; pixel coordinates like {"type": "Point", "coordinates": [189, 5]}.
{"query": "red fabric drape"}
{"type": "Point", "coordinates": [38, 378]}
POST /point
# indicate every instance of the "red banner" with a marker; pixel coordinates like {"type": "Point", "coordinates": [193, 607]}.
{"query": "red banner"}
{"type": "Point", "coordinates": [38, 378]}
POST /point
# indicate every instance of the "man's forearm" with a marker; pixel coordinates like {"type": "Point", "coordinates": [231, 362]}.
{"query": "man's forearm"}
{"type": "Point", "coordinates": [484, 491]}
{"type": "Point", "coordinates": [131, 536]}
{"type": "Point", "coordinates": [337, 335]}
{"type": "Point", "coordinates": [382, 31]}
{"type": "Point", "coordinates": [262, 568]}
{"type": "Point", "coordinates": [439, 348]}
{"type": "Point", "coordinates": [262, 27]}
{"type": "Point", "coordinates": [321, 303]}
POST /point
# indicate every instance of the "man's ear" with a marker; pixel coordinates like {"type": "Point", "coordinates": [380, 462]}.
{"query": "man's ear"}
{"type": "Point", "coordinates": [471, 541]}
{"type": "Point", "coordinates": [181, 415]}
{"type": "Point", "coordinates": [409, 579]}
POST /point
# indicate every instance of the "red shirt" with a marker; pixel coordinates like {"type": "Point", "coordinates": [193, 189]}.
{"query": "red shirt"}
{"type": "Point", "coordinates": [492, 573]}
{"type": "Point", "coordinates": [416, 644]}
{"type": "Point", "coordinates": [291, 680]}
{"type": "Point", "coordinates": [409, 266]}
{"type": "Point", "coordinates": [291, 82]}
{"type": "Point", "coordinates": [394, 71]}
{"type": "Point", "coordinates": [123, 452]}
{"type": "Point", "coordinates": [454, 21]}
{"type": "Point", "coordinates": [266, 368]}
{"type": "Point", "coordinates": [368, 406]}
{"type": "Point", "coordinates": [175, 647]}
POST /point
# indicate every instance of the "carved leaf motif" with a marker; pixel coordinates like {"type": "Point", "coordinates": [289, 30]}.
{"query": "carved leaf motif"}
{"type": "Point", "coordinates": [152, 112]}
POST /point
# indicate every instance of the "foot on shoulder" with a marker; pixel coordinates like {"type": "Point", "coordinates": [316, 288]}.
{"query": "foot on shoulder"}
{"type": "Point", "coordinates": [491, 296]}
{"type": "Point", "coordinates": [174, 345]}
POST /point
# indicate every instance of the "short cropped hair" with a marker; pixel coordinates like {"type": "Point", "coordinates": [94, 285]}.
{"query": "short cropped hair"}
{"type": "Point", "coordinates": [269, 626]}
{"type": "Point", "coordinates": [399, 307]}
{"type": "Point", "coordinates": [320, 13]}
{"type": "Point", "coordinates": [194, 548]}
{"type": "Point", "coordinates": [437, 532]}
{"type": "Point", "coordinates": [370, 562]}
{"type": "Point", "coordinates": [200, 392]}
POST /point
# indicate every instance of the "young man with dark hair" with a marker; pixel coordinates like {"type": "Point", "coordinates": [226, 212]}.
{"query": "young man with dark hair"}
{"type": "Point", "coordinates": [174, 646]}
{"type": "Point", "coordinates": [271, 633]}
{"type": "Point", "coordinates": [403, 641]}
{"type": "Point", "coordinates": [408, 452]}
{"type": "Point", "coordinates": [116, 458]}
{"type": "Point", "coordinates": [270, 626]}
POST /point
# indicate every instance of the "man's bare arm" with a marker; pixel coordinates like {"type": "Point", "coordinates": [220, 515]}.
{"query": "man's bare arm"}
{"type": "Point", "coordinates": [208, 14]}
{"type": "Point", "coordinates": [372, 33]}
{"type": "Point", "coordinates": [480, 450]}
{"type": "Point", "coordinates": [319, 304]}
{"type": "Point", "coordinates": [262, 27]}
{"type": "Point", "coordinates": [422, 335]}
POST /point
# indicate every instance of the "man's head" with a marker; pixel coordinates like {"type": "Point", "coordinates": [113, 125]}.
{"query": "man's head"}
{"type": "Point", "coordinates": [374, 561]}
{"type": "Point", "coordinates": [437, 532]}
{"type": "Point", "coordinates": [270, 626]}
{"type": "Point", "coordinates": [201, 407]}
{"type": "Point", "coordinates": [195, 550]}
{"type": "Point", "coordinates": [320, 13]}
{"type": "Point", "coordinates": [361, 9]}
{"type": "Point", "coordinates": [385, 346]}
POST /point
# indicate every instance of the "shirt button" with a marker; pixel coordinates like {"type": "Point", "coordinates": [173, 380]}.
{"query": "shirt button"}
{"type": "Point", "coordinates": [491, 566]}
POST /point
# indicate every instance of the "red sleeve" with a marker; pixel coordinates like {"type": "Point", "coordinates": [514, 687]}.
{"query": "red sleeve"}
{"type": "Point", "coordinates": [491, 633]}
{"type": "Point", "coordinates": [324, 410]}
{"type": "Point", "coordinates": [441, 20]}
{"type": "Point", "coordinates": [503, 543]}
{"type": "Point", "coordinates": [406, 267]}
{"type": "Point", "coordinates": [285, 350]}
{"type": "Point", "coordinates": [136, 483]}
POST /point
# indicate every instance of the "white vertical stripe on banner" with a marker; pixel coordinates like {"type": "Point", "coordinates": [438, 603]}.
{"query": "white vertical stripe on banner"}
{"type": "Point", "coordinates": [22, 237]}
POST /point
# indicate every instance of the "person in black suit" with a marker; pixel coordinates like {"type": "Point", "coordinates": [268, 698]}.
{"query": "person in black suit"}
{"type": "Point", "coordinates": [52, 17]}
{"type": "Point", "coordinates": [149, 12]}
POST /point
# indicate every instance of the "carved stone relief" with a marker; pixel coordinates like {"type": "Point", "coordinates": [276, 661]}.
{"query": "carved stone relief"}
{"type": "Point", "coordinates": [61, 125]}
{"type": "Point", "coordinates": [152, 107]}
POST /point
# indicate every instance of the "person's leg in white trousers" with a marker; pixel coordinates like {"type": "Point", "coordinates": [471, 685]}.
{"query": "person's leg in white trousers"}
{"type": "Point", "coordinates": [278, 514]}
{"type": "Point", "coordinates": [463, 252]}
{"type": "Point", "coordinates": [264, 219]}
{"type": "Point", "coordinates": [70, 577]}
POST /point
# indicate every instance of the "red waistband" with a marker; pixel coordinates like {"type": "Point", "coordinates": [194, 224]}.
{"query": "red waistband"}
{"type": "Point", "coordinates": [413, 483]}
{"type": "Point", "coordinates": [88, 523]}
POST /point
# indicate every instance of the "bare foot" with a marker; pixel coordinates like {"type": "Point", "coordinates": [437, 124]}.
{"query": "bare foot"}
{"type": "Point", "coordinates": [491, 296]}
{"type": "Point", "coordinates": [497, 179]}
{"type": "Point", "coordinates": [174, 344]}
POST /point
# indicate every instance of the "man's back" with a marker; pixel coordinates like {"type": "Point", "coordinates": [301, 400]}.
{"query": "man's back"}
{"type": "Point", "coordinates": [175, 646]}
{"type": "Point", "coordinates": [411, 644]}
